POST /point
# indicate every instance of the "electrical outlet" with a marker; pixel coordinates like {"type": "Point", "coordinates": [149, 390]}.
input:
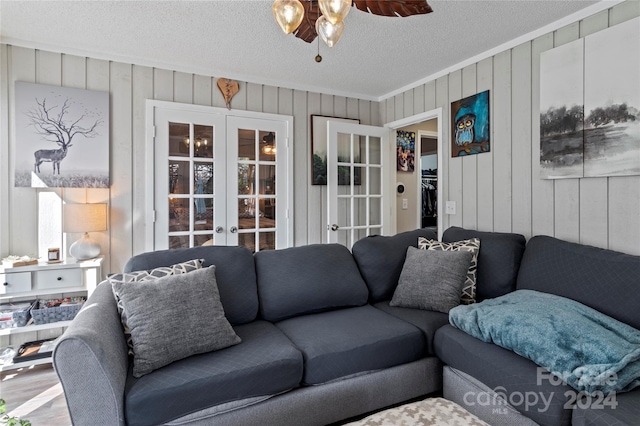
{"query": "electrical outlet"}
{"type": "Point", "coordinates": [450, 207]}
{"type": "Point", "coordinates": [405, 204]}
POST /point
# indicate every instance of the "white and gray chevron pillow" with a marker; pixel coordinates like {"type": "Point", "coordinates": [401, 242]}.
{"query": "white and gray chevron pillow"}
{"type": "Point", "coordinates": [468, 295]}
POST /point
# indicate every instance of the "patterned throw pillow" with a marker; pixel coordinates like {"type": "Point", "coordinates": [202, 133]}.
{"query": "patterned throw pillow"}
{"type": "Point", "coordinates": [139, 276]}
{"type": "Point", "coordinates": [473, 245]}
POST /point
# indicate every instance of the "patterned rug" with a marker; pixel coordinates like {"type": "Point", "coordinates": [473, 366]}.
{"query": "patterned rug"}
{"type": "Point", "coordinates": [432, 411]}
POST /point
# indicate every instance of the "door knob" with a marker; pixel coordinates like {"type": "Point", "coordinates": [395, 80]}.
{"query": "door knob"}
{"type": "Point", "coordinates": [334, 227]}
{"type": "Point", "coordinates": [219, 229]}
{"type": "Point", "coordinates": [233, 229]}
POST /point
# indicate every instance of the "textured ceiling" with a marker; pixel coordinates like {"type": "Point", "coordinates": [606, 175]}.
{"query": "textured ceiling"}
{"type": "Point", "coordinates": [240, 40]}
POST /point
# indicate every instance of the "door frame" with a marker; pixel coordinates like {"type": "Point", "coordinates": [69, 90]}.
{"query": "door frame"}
{"type": "Point", "coordinates": [419, 168]}
{"type": "Point", "coordinates": [149, 173]}
{"type": "Point", "coordinates": [442, 183]}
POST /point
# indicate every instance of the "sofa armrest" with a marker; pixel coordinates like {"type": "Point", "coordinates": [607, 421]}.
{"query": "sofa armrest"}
{"type": "Point", "coordinates": [91, 361]}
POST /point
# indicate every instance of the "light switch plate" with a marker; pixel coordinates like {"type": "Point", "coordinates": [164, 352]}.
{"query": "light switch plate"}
{"type": "Point", "coordinates": [450, 207]}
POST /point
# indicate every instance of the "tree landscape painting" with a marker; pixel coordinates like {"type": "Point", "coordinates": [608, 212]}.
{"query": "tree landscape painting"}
{"type": "Point", "coordinates": [612, 101]}
{"type": "Point", "coordinates": [590, 105]}
{"type": "Point", "coordinates": [61, 137]}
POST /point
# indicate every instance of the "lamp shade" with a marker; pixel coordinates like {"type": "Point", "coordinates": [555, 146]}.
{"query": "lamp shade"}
{"type": "Point", "coordinates": [85, 217]}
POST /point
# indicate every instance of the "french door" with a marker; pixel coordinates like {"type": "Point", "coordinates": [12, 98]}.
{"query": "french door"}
{"type": "Point", "coordinates": [358, 179]}
{"type": "Point", "coordinates": [219, 179]}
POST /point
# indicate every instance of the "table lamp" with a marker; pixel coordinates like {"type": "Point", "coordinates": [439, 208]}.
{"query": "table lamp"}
{"type": "Point", "coordinates": [85, 218]}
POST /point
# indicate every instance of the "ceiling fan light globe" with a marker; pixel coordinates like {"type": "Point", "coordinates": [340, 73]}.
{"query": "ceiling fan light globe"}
{"type": "Point", "coordinates": [328, 32]}
{"type": "Point", "coordinates": [335, 10]}
{"type": "Point", "coordinates": [288, 14]}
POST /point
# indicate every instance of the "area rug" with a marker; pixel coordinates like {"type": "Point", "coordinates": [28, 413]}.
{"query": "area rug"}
{"type": "Point", "coordinates": [431, 411]}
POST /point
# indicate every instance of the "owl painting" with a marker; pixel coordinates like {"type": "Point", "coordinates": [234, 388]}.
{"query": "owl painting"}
{"type": "Point", "coordinates": [470, 133]}
{"type": "Point", "coordinates": [464, 129]}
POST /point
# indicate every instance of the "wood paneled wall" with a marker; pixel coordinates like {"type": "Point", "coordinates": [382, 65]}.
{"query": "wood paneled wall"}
{"type": "Point", "coordinates": [130, 86]}
{"type": "Point", "coordinates": [500, 190]}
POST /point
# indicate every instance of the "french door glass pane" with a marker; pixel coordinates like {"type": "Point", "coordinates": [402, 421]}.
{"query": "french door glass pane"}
{"type": "Point", "coordinates": [178, 177]}
{"type": "Point", "coordinates": [179, 139]}
{"type": "Point", "coordinates": [267, 212]}
{"type": "Point", "coordinates": [267, 240]}
{"type": "Point", "coordinates": [267, 142]}
{"type": "Point", "coordinates": [178, 241]}
{"type": "Point", "coordinates": [178, 214]}
{"type": "Point", "coordinates": [247, 213]}
{"type": "Point", "coordinates": [203, 145]}
{"type": "Point", "coordinates": [246, 144]}
{"type": "Point", "coordinates": [267, 184]}
{"type": "Point", "coordinates": [203, 239]}
{"type": "Point", "coordinates": [247, 240]}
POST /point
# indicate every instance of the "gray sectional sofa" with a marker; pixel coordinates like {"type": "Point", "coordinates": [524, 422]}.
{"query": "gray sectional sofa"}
{"type": "Point", "coordinates": [321, 343]}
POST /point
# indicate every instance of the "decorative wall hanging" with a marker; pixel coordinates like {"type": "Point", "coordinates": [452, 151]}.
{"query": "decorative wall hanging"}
{"type": "Point", "coordinates": [228, 88]}
{"type": "Point", "coordinates": [590, 105]}
{"type": "Point", "coordinates": [470, 120]}
{"type": "Point", "coordinates": [62, 137]}
{"type": "Point", "coordinates": [406, 150]}
{"type": "Point", "coordinates": [319, 151]}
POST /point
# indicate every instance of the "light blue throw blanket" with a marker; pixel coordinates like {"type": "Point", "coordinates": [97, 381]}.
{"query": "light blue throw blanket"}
{"type": "Point", "coordinates": [590, 351]}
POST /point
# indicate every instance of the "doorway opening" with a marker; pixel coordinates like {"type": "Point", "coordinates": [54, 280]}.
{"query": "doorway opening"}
{"type": "Point", "coordinates": [417, 206]}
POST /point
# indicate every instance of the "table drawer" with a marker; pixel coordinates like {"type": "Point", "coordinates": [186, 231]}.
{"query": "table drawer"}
{"type": "Point", "coordinates": [17, 282]}
{"type": "Point", "coordinates": [58, 278]}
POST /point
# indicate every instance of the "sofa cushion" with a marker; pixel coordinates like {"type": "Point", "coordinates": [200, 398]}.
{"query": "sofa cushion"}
{"type": "Point", "coordinates": [235, 275]}
{"type": "Point", "coordinates": [265, 363]}
{"type": "Point", "coordinates": [527, 387]}
{"type": "Point", "coordinates": [602, 279]}
{"type": "Point", "coordinates": [380, 260]}
{"type": "Point", "coordinates": [349, 341]}
{"type": "Point", "coordinates": [427, 321]}
{"type": "Point", "coordinates": [432, 279]}
{"type": "Point", "coordinates": [307, 279]}
{"type": "Point", "coordinates": [623, 410]}
{"type": "Point", "coordinates": [473, 245]}
{"type": "Point", "coordinates": [498, 260]}
{"type": "Point", "coordinates": [174, 317]}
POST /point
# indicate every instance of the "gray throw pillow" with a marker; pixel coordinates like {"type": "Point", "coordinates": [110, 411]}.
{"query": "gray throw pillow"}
{"type": "Point", "coordinates": [431, 279]}
{"type": "Point", "coordinates": [174, 317]}
{"type": "Point", "coordinates": [468, 295]}
{"type": "Point", "coordinates": [152, 275]}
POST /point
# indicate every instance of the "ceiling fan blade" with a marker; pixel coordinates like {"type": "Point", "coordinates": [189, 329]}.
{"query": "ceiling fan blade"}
{"type": "Point", "coordinates": [394, 7]}
{"type": "Point", "coordinates": [307, 29]}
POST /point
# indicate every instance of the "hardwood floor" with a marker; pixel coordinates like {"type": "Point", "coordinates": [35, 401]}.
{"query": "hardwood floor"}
{"type": "Point", "coordinates": [35, 394]}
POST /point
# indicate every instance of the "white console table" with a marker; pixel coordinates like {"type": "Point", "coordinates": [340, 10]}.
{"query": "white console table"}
{"type": "Point", "coordinates": [38, 282]}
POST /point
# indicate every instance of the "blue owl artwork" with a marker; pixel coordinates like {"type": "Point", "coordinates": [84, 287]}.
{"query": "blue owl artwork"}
{"type": "Point", "coordinates": [470, 133]}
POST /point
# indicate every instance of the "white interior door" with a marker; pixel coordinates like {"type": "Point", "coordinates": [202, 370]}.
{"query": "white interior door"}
{"type": "Point", "coordinates": [358, 177]}
{"type": "Point", "coordinates": [218, 179]}
{"type": "Point", "coordinates": [189, 179]}
{"type": "Point", "coordinates": [257, 207]}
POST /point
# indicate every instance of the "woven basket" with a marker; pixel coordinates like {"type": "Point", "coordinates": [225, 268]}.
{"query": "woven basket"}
{"type": "Point", "coordinates": [18, 317]}
{"type": "Point", "coordinates": [55, 314]}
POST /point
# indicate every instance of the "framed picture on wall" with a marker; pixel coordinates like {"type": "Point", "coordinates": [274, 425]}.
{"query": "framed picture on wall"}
{"type": "Point", "coordinates": [62, 137]}
{"type": "Point", "coordinates": [470, 125]}
{"type": "Point", "coordinates": [319, 151]}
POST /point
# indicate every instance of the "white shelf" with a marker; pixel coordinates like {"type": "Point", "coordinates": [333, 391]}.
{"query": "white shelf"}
{"type": "Point", "coordinates": [42, 292]}
{"type": "Point", "coordinates": [29, 328]}
{"type": "Point", "coordinates": [25, 364]}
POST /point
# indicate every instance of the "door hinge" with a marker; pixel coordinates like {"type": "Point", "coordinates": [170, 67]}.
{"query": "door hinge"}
{"type": "Point", "coordinates": [153, 217]}
{"type": "Point", "coordinates": [153, 131]}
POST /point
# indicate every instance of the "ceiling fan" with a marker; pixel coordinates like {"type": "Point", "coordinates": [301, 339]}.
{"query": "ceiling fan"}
{"type": "Point", "coordinates": [310, 18]}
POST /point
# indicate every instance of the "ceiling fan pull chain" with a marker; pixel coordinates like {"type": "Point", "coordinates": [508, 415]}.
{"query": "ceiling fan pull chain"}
{"type": "Point", "coordinates": [318, 57]}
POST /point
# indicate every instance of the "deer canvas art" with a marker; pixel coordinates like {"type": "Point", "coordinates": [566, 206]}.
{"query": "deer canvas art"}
{"type": "Point", "coordinates": [65, 127]}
